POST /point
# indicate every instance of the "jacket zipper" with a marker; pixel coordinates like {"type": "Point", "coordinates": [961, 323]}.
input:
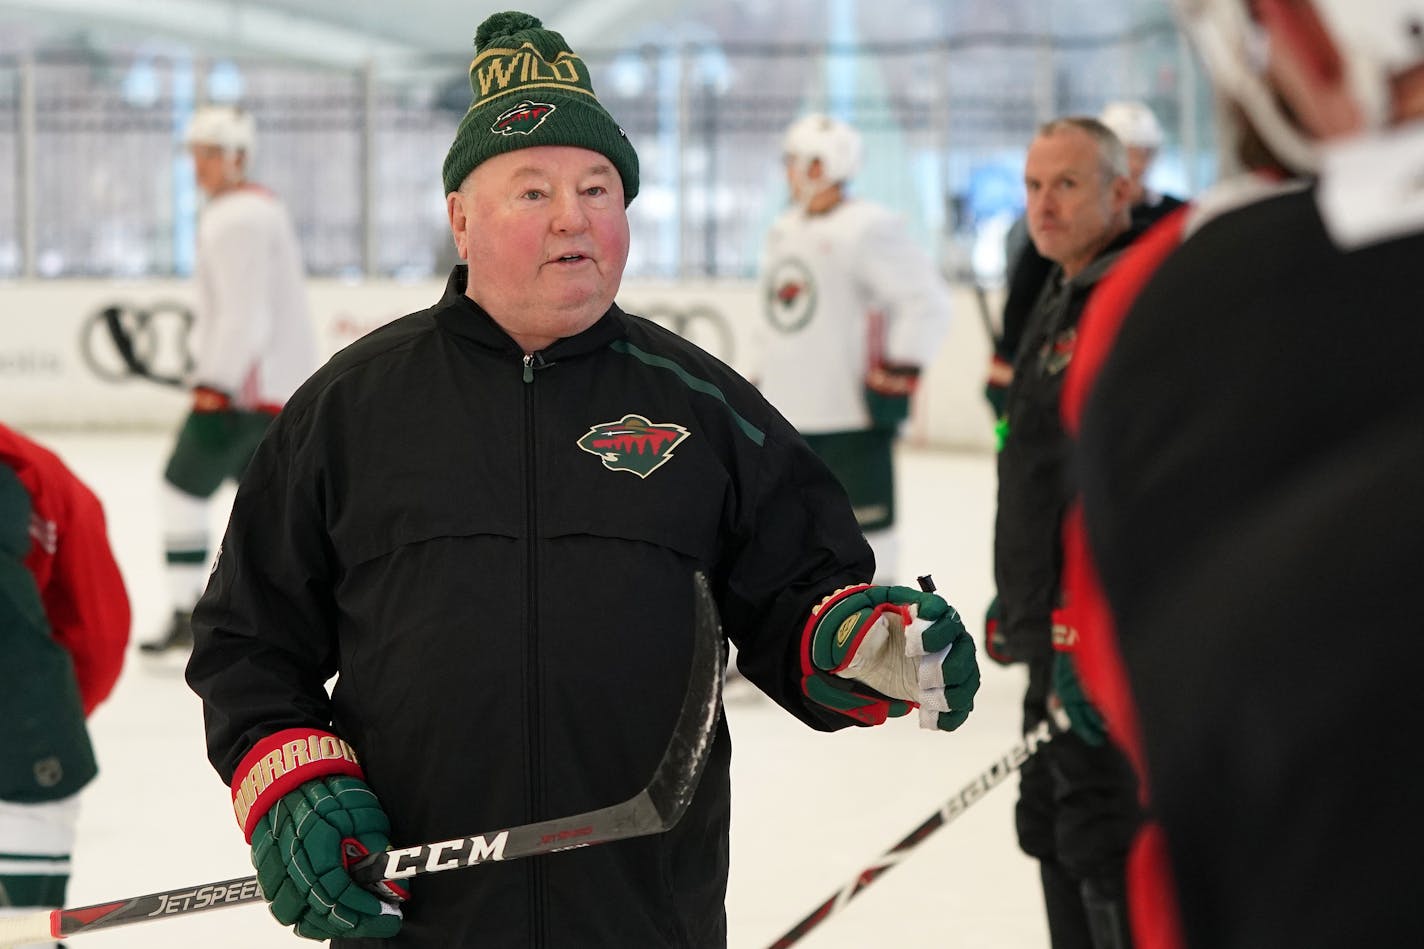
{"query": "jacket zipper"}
{"type": "Point", "coordinates": [537, 883]}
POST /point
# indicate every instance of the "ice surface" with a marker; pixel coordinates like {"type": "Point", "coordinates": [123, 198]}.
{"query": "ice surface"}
{"type": "Point", "coordinates": [810, 811]}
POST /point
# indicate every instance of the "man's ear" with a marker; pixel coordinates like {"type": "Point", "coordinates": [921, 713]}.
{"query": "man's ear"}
{"type": "Point", "coordinates": [1121, 192]}
{"type": "Point", "coordinates": [455, 210]}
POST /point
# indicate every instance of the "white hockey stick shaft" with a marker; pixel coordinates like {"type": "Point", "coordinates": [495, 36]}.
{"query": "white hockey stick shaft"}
{"type": "Point", "coordinates": [1002, 767]}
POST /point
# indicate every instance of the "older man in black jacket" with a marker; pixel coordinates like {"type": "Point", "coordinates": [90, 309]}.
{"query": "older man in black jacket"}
{"type": "Point", "coordinates": [1077, 807]}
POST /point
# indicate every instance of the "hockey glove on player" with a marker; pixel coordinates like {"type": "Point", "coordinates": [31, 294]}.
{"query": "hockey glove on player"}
{"type": "Point", "coordinates": [212, 424]}
{"type": "Point", "coordinates": [1083, 717]}
{"type": "Point", "coordinates": [996, 385]}
{"type": "Point", "coordinates": [865, 656]}
{"type": "Point", "coordinates": [887, 393]}
{"type": "Point", "coordinates": [995, 643]}
{"type": "Point", "coordinates": [206, 399]}
{"type": "Point", "coordinates": [310, 818]}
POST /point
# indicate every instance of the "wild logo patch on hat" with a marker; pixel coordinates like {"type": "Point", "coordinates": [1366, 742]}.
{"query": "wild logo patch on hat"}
{"type": "Point", "coordinates": [522, 119]}
{"type": "Point", "coordinates": [633, 444]}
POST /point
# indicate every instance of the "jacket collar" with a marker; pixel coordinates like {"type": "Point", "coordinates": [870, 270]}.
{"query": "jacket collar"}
{"type": "Point", "coordinates": [458, 314]}
{"type": "Point", "coordinates": [1091, 274]}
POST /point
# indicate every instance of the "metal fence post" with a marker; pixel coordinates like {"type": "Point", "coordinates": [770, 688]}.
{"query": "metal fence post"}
{"type": "Point", "coordinates": [1187, 110]}
{"type": "Point", "coordinates": [1045, 84]}
{"type": "Point", "coordinates": [370, 262]}
{"type": "Point", "coordinates": [26, 184]}
{"type": "Point", "coordinates": [678, 129]}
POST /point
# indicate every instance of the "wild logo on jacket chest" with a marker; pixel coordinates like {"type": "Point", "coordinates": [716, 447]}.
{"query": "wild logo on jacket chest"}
{"type": "Point", "coordinates": [1057, 352]}
{"type": "Point", "coordinates": [633, 444]}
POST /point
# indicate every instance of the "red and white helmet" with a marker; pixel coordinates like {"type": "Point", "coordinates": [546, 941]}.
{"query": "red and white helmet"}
{"type": "Point", "coordinates": [1376, 39]}
{"type": "Point", "coordinates": [833, 142]}
{"type": "Point", "coordinates": [1134, 124]}
{"type": "Point", "coordinates": [225, 126]}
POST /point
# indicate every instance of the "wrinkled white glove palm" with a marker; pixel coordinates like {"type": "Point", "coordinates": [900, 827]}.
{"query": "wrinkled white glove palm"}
{"type": "Point", "coordinates": [909, 647]}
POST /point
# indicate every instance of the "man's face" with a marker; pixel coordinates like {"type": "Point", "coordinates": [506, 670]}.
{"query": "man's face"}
{"type": "Point", "coordinates": [214, 169]}
{"type": "Point", "coordinates": [805, 180]}
{"type": "Point", "coordinates": [1074, 207]}
{"type": "Point", "coordinates": [545, 234]}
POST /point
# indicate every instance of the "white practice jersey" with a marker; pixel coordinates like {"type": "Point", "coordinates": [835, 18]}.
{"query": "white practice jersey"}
{"type": "Point", "coordinates": [841, 290]}
{"type": "Point", "coordinates": [254, 337]}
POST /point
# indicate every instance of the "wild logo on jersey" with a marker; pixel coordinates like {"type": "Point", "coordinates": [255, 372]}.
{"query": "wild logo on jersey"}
{"type": "Point", "coordinates": [790, 295]}
{"type": "Point", "coordinates": [522, 119]}
{"type": "Point", "coordinates": [633, 444]}
{"type": "Point", "coordinates": [1057, 352]}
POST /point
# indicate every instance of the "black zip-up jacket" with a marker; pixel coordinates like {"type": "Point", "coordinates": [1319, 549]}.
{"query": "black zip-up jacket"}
{"type": "Point", "coordinates": [493, 552]}
{"type": "Point", "coordinates": [1251, 460]}
{"type": "Point", "coordinates": [1034, 482]}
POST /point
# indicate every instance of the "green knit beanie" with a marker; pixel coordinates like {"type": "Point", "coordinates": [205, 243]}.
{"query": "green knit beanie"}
{"type": "Point", "coordinates": [531, 89]}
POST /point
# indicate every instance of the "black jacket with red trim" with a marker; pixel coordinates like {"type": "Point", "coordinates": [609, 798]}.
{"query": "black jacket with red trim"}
{"type": "Point", "coordinates": [1250, 468]}
{"type": "Point", "coordinates": [492, 554]}
{"type": "Point", "coordinates": [1151, 892]}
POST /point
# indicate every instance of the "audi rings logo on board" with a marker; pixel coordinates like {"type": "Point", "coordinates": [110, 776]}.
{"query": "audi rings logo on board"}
{"type": "Point", "coordinates": [123, 341]}
{"type": "Point", "coordinates": [790, 296]}
{"type": "Point", "coordinates": [704, 326]}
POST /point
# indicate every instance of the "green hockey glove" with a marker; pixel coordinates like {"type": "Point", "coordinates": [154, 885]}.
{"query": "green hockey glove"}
{"type": "Point", "coordinates": [995, 643]}
{"type": "Point", "coordinates": [304, 846]}
{"type": "Point", "coordinates": [1084, 719]}
{"type": "Point", "coordinates": [311, 817]}
{"type": "Point", "coordinates": [888, 389]}
{"type": "Point", "coordinates": [864, 656]}
{"type": "Point", "coordinates": [996, 384]}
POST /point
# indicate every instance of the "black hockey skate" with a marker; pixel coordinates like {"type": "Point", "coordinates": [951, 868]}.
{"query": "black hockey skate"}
{"type": "Point", "coordinates": [178, 636]}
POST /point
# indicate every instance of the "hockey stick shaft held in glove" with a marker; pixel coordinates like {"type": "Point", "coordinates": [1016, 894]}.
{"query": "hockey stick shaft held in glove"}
{"type": "Point", "coordinates": [652, 810]}
{"type": "Point", "coordinates": [1006, 765]}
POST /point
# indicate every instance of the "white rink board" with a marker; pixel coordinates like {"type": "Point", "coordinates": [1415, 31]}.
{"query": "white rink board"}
{"type": "Point", "coordinates": [59, 369]}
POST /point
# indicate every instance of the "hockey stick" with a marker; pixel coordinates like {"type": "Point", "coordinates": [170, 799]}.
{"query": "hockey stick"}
{"type": "Point", "coordinates": [1006, 765]}
{"type": "Point", "coordinates": [986, 318]}
{"type": "Point", "coordinates": [652, 810]}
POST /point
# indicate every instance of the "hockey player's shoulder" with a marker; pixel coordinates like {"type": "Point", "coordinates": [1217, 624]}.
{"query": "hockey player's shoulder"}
{"type": "Point", "coordinates": [859, 213]}
{"type": "Point", "coordinates": [243, 210]}
{"type": "Point", "coordinates": [1238, 194]}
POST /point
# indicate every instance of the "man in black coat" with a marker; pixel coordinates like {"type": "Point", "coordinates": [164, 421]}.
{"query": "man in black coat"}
{"type": "Point", "coordinates": [1077, 807]}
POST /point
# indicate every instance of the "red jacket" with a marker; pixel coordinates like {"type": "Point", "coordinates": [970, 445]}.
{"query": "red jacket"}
{"type": "Point", "coordinates": [73, 566]}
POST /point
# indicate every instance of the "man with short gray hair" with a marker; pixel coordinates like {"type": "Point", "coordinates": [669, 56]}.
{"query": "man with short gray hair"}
{"type": "Point", "coordinates": [1077, 808]}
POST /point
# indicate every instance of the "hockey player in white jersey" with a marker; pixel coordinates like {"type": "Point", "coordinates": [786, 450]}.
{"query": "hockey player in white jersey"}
{"type": "Point", "coordinates": [855, 310]}
{"type": "Point", "coordinates": [254, 345]}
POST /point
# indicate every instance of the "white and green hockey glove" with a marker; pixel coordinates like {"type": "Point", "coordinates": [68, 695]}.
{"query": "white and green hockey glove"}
{"type": "Point", "coordinates": [876, 652]}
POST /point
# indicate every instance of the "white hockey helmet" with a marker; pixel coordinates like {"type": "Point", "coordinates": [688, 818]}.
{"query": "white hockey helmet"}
{"type": "Point", "coordinates": [1375, 39]}
{"type": "Point", "coordinates": [1133, 123]}
{"type": "Point", "coordinates": [225, 126]}
{"type": "Point", "coordinates": [833, 142]}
